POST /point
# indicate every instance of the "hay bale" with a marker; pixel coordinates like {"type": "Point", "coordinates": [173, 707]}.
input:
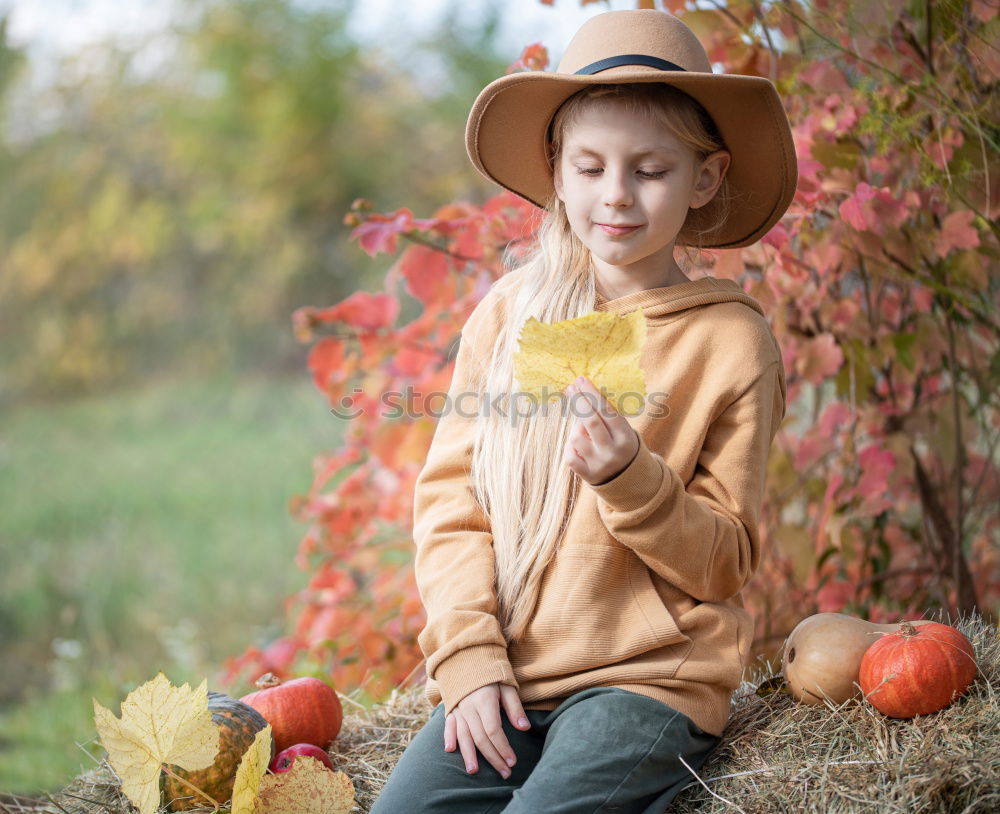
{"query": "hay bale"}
{"type": "Point", "coordinates": [776, 755]}
{"type": "Point", "coordinates": [779, 755]}
{"type": "Point", "coordinates": [96, 791]}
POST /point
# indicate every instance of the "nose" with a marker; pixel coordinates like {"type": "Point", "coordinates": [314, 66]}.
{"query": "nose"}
{"type": "Point", "coordinates": [617, 191]}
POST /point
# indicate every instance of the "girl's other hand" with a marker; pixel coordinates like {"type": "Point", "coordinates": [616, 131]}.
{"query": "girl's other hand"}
{"type": "Point", "coordinates": [602, 443]}
{"type": "Point", "coordinates": [475, 722]}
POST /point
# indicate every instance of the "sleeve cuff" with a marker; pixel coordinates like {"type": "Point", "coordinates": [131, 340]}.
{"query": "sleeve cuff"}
{"type": "Point", "coordinates": [635, 485]}
{"type": "Point", "coordinates": [471, 668]}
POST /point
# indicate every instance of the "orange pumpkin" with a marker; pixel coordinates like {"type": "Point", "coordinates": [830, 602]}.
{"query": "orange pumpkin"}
{"type": "Point", "coordinates": [303, 710]}
{"type": "Point", "coordinates": [917, 670]}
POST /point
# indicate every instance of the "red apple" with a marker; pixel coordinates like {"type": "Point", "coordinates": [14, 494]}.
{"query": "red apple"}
{"type": "Point", "coordinates": [284, 759]}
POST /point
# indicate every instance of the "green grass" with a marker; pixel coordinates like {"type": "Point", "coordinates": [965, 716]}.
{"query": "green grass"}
{"type": "Point", "coordinates": [141, 531]}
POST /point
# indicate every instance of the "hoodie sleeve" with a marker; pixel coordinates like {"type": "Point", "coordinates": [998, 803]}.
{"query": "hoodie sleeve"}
{"type": "Point", "coordinates": [703, 536]}
{"type": "Point", "coordinates": [454, 564]}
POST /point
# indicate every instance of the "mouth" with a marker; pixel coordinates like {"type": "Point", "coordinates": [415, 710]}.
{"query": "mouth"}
{"type": "Point", "coordinates": [617, 229]}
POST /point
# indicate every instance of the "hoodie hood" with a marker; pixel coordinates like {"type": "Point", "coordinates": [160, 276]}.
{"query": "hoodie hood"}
{"type": "Point", "coordinates": [659, 302]}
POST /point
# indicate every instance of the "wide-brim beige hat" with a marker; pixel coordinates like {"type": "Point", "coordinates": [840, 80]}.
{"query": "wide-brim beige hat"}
{"type": "Point", "coordinates": [506, 132]}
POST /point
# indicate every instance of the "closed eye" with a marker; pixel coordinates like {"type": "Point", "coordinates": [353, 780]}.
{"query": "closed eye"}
{"type": "Point", "coordinates": [595, 170]}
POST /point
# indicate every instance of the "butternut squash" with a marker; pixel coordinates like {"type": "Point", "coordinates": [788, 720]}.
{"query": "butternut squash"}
{"type": "Point", "coordinates": [822, 655]}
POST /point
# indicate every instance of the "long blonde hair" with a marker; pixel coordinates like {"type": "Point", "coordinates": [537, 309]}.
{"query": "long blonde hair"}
{"type": "Point", "coordinates": [518, 475]}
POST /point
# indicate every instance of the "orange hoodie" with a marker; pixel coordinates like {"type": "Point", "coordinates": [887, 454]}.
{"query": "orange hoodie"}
{"type": "Point", "coordinates": [644, 592]}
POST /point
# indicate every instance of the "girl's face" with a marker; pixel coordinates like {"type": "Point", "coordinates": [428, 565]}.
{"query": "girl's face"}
{"type": "Point", "coordinates": [622, 169]}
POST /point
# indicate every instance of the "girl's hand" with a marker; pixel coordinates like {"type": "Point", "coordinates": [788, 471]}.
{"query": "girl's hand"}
{"type": "Point", "coordinates": [602, 444]}
{"type": "Point", "coordinates": [475, 721]}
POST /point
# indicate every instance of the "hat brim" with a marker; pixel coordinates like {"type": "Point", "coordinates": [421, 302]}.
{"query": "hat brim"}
{"type": "Point", "coordinates": [506, 130]}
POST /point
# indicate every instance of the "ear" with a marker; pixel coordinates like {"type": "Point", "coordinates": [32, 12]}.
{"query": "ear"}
{"type": "Point", "coordinates": [709, 176]}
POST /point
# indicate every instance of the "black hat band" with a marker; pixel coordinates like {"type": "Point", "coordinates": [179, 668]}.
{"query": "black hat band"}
{"type": "Point", "coordinates": [629, 59]}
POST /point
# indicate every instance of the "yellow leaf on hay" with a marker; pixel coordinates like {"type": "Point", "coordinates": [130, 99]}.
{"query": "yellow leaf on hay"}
{"type": "Point", "coordinates": [251, 770]}
{"type": "Point", "coordinates": [307, 788]}
{"type": "Point", "coordinates": [602, 346]}
{"type": "Point", "coordinates": [160, 724]}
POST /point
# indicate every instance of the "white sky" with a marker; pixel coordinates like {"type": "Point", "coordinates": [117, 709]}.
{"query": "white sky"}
{"type": "Point", "coordinates": [52, 27]}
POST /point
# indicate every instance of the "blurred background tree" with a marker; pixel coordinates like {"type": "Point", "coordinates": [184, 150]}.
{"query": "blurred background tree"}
{"type": "Point", "coordinates": [152, 224]}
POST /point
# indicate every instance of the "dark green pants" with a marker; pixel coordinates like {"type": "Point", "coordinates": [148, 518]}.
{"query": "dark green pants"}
{"type": "Point", "coordinates": [602, 749]}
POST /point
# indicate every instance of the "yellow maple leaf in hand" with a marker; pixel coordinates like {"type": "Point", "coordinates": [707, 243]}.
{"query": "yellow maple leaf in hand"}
{"type": "Point", "coordinates": [602, 346]}
{"type": "Point", "coordinates": [160, 724]}
{"type": "Point", "coordinates": [251, 770]}
{"type": "Point", "coordinates": [307, 788]}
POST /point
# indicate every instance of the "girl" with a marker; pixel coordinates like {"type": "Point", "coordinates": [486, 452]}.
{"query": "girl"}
{"type": "Point", "coordinates": [582, 571]}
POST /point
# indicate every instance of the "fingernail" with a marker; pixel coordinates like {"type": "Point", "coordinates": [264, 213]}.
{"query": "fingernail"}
{"type": "Point", "coordinates": [505, 775]}
{"type": "Point", "coordinates": [469, 767]}
{"type": "Point", "coordinates": [510, 761]}
{"type": "Point", "coordinates": [522, 721]}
